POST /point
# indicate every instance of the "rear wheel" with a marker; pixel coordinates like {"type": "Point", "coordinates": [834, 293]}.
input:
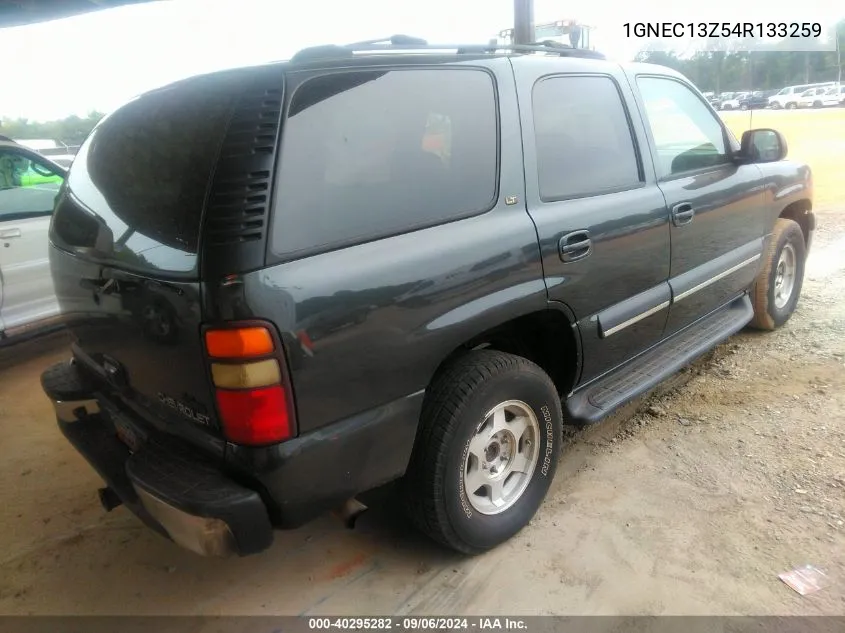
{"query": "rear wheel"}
{"type": "Point", "coordinates": [777, 288]}
{"type": "Point", "coordinates": [486, 451]}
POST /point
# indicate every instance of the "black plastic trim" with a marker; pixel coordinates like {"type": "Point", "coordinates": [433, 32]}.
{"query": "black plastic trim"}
{"type": "Point", "coordinates": [236, 216]}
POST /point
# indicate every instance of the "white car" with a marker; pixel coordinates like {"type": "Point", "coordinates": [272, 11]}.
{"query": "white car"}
{"type": "Point", "coordinates": [788, 97]}
{"type": "Point", "coordinates": [29, 184]}
{"type": "Point", "coordinates": [733, 102]}
{"type": "Point", "coordinates": [811, 98]}
{"type": "Point", "coordinates": [834, 96]}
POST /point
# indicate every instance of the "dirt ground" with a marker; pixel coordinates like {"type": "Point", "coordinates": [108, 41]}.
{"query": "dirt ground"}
{"type": "Point", "coordinates": [689, 502]}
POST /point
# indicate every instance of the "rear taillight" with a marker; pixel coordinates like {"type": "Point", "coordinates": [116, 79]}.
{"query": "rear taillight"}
{"type": "Point", "coordinates": [248, 372]}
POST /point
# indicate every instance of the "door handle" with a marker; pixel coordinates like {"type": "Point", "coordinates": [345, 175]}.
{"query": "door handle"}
{"type": "Point", "coordinates": [575, 246]}
{"type": "Point", "coordinates": [6, 234]}
{"type": "Point", "coordinates": [682, 214]}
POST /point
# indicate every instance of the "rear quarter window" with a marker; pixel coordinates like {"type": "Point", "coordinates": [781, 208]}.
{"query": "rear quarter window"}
{"type": "Point", "coordinates": [367, 154]}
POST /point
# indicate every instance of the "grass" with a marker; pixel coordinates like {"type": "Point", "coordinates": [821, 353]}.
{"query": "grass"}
{"type": "Point", "coordinates": [816, 137]}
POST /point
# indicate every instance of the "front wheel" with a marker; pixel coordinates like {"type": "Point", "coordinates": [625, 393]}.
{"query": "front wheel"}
{"type": "Point", "coordinates": [777, 288]}
{"type": "Point", "coordinates": [791, 106]}
{"type": "Point", "coordinates": [486, 451]}
{"type": "Point", "coordinates": [743, 107]}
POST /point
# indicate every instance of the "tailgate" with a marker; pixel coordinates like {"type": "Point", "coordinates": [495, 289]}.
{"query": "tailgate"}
{"type": "Point", "coordinates": [140, 338]}
{"type": "Point", "coordinates": [125, 242]}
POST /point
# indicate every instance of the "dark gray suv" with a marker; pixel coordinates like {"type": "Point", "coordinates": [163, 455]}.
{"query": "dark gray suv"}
{"type": "Point", "coordinates": [293, 283]}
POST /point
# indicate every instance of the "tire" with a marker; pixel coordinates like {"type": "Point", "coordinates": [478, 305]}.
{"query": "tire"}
{"type": "Point", "coordinates": [743, 107]}
{"type": "Point", "coordinates": [791, 106]}
{"type": "Point", "coordinates": [817, 104]}
{"type": "Point", "coordinates": [771, 308]}
{"type": "Point", "coordinates": [456, 406]}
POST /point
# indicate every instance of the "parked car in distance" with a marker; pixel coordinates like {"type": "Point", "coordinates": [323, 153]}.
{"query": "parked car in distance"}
{"type": "Point", "coordinates": [278, 309]}
{"type": "Point", "coordinates": [811, 98]}
{"type": "Point", "coordinates": [720, 99]}
{"type": "Point", "coordinates": [788, 97]}
{"type": "Point", "coordinates": [734, 103]}
{"type": "Point", "coordinates": [833, 96]}
{"type": "Point", "coordinates": [755, 101]}
{"type": "Point", "coordinates": [29, 184]}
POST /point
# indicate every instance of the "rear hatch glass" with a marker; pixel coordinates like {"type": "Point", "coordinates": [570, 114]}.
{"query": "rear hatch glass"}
{"type": "Point", "coordinates": [138, 183]}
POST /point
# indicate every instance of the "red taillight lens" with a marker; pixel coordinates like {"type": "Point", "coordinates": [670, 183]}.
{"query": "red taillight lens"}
{"type": "Point", "coordinates": [254, 416]}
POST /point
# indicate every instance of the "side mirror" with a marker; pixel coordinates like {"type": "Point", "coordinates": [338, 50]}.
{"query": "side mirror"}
{"type": "Point", "coordinates": [762, 146]}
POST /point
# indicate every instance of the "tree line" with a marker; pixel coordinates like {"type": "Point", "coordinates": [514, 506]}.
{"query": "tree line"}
{"type": "Point", "coordinates": [71, 130]}
{"type": "Point", "coordinates": [726, 70]}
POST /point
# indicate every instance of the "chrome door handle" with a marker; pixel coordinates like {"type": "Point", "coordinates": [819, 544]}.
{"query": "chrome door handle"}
{"type": "Point", "coordinates": [682, 214]}
{"type": "Point", "coordinates": [6, 234]}
{"type": "Point", "coordinates": [575, 246]}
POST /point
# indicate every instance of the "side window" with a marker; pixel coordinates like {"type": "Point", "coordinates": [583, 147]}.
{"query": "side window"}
{"type": "Point", "coordinates": [686, 134]}
{"type": "Point", "coordinates": [28, 188]}
{"type": "Point", "coordinates": [372, 153]}
{"type": "Point", "coordinates": [584, 141]}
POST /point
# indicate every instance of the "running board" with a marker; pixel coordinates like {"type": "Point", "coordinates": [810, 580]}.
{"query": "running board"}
{"type": "Point", "coordinates": [599, 399]}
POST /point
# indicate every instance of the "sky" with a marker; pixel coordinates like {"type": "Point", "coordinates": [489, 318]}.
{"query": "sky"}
{"type": "Point", "coordinates": [102, 59]}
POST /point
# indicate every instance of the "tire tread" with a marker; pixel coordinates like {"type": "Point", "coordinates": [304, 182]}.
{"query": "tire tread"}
{"type": "Point", "coordinates": [447, 396]}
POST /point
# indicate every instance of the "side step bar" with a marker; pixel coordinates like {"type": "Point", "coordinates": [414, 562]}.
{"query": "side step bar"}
{"type": "Point", "coordinates": [600, 398]}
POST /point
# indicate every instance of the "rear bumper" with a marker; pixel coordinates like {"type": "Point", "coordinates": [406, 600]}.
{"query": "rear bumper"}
{"type": "Point", "coordinates": [179, 493]}
{"type": "Point", "coordinates": [170, 487]}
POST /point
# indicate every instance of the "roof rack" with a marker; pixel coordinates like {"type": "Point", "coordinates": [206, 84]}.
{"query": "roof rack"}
{"type": "Point", "coordinates": [407, 43]}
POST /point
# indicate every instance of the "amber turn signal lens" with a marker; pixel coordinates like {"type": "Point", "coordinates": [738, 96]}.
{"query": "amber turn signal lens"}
{"type": "Point", "coordinates": [239, 343]}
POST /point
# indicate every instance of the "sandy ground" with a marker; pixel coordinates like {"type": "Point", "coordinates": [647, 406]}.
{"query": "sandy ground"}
{"type": "Point", "coordinates": [691, 506]}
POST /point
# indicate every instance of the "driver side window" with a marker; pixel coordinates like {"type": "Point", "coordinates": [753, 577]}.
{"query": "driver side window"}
{"type": "Point", "coordinates": [686, 134]}
{"type": "Point", "coordinates": [28, 187]}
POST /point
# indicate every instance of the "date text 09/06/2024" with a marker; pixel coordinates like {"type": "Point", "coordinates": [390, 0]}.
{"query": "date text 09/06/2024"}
{"type": "Point", "coordinates": [417, 624]}
{"type": "Point", "coordinates": [723, 29]}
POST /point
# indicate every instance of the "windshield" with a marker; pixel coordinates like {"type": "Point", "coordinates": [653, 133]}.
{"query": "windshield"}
{"type": "Point", "coordinates": [785, 91]}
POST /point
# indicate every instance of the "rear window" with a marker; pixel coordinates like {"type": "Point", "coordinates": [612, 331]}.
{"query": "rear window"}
{"type": "Point", "coordinates": [373, 153]}
{"type": "Point", "coordinates": [139, 181]}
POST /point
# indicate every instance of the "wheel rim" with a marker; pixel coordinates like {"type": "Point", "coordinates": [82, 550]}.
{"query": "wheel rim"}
{"type": "Point", "coordinates": [502, 457]}
{"type": "Point", "coordinates": [785, 276]}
